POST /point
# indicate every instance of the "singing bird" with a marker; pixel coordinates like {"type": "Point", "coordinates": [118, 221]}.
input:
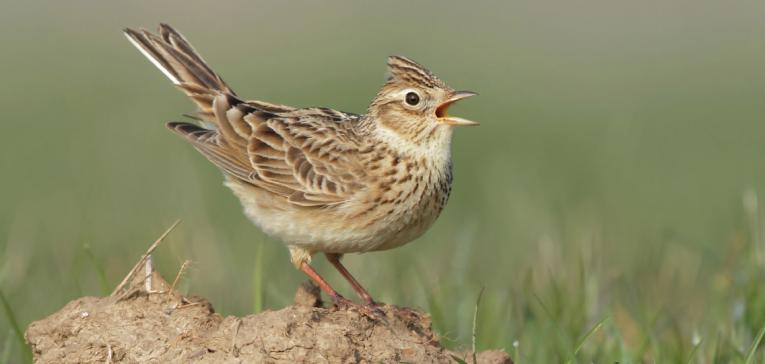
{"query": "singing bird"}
{"type": "Point", "coordinates": [321, 180]}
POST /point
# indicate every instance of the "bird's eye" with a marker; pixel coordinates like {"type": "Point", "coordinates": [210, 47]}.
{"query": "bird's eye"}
{"type": "Point", "coordinates": [412, 98]}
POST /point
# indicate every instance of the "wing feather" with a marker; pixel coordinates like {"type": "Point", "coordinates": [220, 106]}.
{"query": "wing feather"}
{"type": "Point", "coordinates": [303, 155]}
{"type": "Point", "coordinates": [209, 144]}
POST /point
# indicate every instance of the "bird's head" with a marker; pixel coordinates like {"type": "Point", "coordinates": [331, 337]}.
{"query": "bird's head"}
{"type": "Point", "coordinates": [413, 103]}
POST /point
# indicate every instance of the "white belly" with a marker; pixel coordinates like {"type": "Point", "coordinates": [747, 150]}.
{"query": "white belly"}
{"type": "Point", "coordinates": [336, 230]}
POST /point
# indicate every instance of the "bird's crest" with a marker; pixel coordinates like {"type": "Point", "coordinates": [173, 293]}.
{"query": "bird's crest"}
{"type": "Point", "coordinates": [403, 69]}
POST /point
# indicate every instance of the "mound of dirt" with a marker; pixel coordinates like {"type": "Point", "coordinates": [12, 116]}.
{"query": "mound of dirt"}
{"type": "Point", "coordinates": [146, 321]}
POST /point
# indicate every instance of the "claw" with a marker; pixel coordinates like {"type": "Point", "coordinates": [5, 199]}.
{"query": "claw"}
{"type": "Point", "coordinates": [372, 311]}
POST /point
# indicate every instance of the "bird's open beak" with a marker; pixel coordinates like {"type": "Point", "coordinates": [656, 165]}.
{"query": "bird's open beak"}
{"type": "Point", "coordinates": [442, 115]}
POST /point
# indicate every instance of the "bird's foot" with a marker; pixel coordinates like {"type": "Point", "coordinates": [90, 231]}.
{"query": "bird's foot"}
{"type": "Point", "coordinates": [379, 306]}
{"type": "Point", "coordinates": [372, 311]}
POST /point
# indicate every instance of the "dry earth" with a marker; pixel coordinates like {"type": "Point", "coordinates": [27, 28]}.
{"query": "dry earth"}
{"type": "Point", "coordinates": [159, 325]}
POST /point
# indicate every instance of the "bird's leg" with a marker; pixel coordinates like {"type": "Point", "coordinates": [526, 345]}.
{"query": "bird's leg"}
{"type": "Point", "coordinates": [335, 260]}
{"type": "Point", "coordinates": [337, 299]}
{"type": "Point", "coordinates": [323, 284]}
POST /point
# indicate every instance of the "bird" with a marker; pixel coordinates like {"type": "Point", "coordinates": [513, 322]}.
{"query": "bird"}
{"type": "Point", "coordinates": [317, 179]}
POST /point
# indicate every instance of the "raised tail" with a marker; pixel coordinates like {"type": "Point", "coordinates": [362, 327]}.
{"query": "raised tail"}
{"type": "Point", "coordinates": [185, 68]}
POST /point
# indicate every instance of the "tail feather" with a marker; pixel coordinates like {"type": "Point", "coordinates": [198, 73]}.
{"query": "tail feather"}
{"type": "Point", "coordinates": [176, 58]}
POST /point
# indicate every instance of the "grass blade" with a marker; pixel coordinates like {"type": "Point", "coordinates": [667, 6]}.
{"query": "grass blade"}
{"type": "Point", "coordinates": [5, 356]}
{"type": "Point", "coordinates": [755, 344]}
{"type": "Point", "coordinates": [458, 360]}
{"type": "Point", "coordinates": [25, 352]}
{"type": "Point", "coordinates": [99, 269]}
{"type": "Point", "coordinates": [586, 336]}
{"type": "Point", "coordinates": [558, 329]}
{"type": "Point", "coordinates": [695, 350]}
{"type": "Point", "coordinates": [257, 280]}
{"type": "Point", "coordinates": [717, 349]}
{"type": "Point", "coordinates": [516, 351]}
{"type": "Point", "coordinates": [592, 331]}
{"type": "Point", "coordinates": [475, 322]}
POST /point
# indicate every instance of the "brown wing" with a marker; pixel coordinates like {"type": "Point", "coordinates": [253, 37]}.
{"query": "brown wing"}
{"type": "Point", "coordinates": [300, 154]}
{"type": "Point", "coordinates": [305, 155]}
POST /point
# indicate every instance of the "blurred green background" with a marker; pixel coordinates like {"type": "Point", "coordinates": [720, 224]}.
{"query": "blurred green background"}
{"type": "Point", "coordinates": [608, 202]}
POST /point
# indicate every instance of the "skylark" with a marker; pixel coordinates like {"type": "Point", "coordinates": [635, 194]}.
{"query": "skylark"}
{"type": "Point", "coordinates": [318, 179]}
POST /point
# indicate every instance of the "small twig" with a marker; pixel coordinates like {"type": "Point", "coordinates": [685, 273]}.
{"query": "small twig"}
{"type": "Point", "coordinates": [178, 276]}
{"type": "Point", "coordinates": [148, 270]}
{"type": "Point", "coordinates": [233, 339]}
{"type": "Point", "coordinates": [143, 258]}
{"type": "Point", "coordinates": [128, 294]}
{"type": "Point", "coordinates": [188, 304]}
{"type": "Point", "coordinates": [109, 353]}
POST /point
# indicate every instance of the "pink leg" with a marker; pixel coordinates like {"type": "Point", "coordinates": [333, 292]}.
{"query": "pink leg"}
{"type": "Point", "coordinates": [335, 260]}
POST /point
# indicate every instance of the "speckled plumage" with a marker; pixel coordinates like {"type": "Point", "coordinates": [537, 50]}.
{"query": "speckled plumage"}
{"type": "Point", "coordinates": [318, 179]}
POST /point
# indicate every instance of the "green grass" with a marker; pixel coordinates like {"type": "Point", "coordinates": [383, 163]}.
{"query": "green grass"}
{"type": "Point", "coordinates": [750, 356]}
{"type": "Point", "coordinates": [17, 331]}
{"type": "Point", "coordinates": [609, 203]}
{"type": "Point", "coordinates": [99, 269]}
{"type": "Point", "coordinates": [257, 281]}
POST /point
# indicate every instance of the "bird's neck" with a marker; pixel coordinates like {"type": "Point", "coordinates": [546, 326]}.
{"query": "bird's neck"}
{"type": "Point", "coordinates": [434, 148]}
